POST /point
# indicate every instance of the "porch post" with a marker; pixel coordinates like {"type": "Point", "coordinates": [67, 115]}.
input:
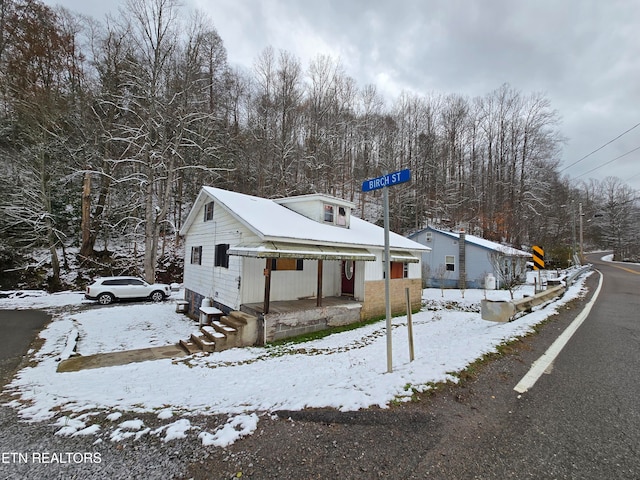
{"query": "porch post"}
{"type": "Point", "coordinates": [267, 286]}
{"type": "Point", "coordinates": [319, 289]}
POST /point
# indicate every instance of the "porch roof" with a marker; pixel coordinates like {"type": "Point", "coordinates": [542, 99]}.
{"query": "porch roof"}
{"type": "Point", "coordinates": [298, 250]}
{"type": "Point", "coordinates": [404, 257]}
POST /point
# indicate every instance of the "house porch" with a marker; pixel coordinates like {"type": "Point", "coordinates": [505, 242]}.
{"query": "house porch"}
{"type": "Point", "coordinates": [291, 318]}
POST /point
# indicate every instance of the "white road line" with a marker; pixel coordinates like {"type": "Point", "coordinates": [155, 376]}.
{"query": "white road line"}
{"type": "Point", "coordinates": [544, 362]}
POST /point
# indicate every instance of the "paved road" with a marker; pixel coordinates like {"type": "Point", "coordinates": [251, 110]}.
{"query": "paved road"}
{"type": "Point", "coordinates": [579, 421]}
{"type": "Point", "coordinates": [19, 328]}
{"type": "Point", "coordinates": [582, 419]}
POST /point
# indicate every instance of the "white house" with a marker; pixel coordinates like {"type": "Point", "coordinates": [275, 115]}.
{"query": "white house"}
{"type": "Point", "coordinates": [459, 260]}
{"type": "Point", "coordinates": [299, 264]}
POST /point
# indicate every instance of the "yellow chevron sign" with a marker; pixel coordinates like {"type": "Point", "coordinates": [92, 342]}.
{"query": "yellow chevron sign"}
{"type": "Point", "coordinates": [538, 258]}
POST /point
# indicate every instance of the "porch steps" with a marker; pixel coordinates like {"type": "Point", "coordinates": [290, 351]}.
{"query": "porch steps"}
{"type": "Point", "coordinates": [203, 342]}
{"type": "Point", "coordinates": [189, 347]}
{"type": "Point", "coordinates": [237, 319]}
{"type": "Point", "coordinates": [218, 338]}
{"type": "Point", "coordinates": [228, 332]}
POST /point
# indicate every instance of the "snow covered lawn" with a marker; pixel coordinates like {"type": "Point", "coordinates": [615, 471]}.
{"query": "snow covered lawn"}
{"type": "Point", "coordinates": [128, 327]}
{"type": "Point", "coordinates": [347, 371]}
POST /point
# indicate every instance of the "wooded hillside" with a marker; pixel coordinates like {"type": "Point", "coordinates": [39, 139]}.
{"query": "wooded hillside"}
{"type": "Point", "coordinates": [108, 131]}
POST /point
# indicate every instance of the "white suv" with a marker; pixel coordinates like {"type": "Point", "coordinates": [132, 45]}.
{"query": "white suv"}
{"type": "Point", "coordinates": [108, 289]}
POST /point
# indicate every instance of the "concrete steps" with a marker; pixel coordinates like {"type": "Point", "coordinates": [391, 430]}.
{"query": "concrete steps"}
{"type": "Point", "coordinates": [189, 347]}
{"type": "Point", "coordinates": [237, 329]}
{"type": "Point", "coordinates": [203, 342]}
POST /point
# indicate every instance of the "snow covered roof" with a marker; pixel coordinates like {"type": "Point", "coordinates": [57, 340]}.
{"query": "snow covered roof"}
{"type": "Point", "coordinates": [273, 222]}
{"type": "Point", "coordinates": [312, 197]}
{"type": "Point", "coordinates": [293, 250]}
{"type": "Point", "coordinates": [488, 244]}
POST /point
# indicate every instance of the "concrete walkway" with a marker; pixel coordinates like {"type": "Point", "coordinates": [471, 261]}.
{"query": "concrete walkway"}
{"type": "Point", "coordinates": [111, 359]}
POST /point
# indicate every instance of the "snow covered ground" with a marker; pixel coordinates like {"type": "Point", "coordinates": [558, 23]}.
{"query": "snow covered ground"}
{"type": "Point", "coordinates": [347, 371]}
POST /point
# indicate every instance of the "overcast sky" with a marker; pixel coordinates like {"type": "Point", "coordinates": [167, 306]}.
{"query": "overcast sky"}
{"type": "Point", "coordinates": [584, 55]}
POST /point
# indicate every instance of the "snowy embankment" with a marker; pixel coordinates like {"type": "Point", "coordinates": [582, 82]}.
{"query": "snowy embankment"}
{"type": "Point", "coordinates": [347, 371]}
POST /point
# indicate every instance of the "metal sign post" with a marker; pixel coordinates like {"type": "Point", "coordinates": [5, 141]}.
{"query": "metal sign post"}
{"type": "Point", "coordinates": [387, 180]}
{"type": "Point", "coordinates": [387, 279]}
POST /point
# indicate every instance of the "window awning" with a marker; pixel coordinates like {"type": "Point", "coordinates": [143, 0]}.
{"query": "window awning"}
{"type": "Point", "coordinates": [404, 257]}
{"type": "Point", "coordinates": [298, 250]}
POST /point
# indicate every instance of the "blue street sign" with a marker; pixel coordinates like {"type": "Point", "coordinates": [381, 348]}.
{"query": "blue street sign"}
{"type": "Point", "coordinates": [386, 180]}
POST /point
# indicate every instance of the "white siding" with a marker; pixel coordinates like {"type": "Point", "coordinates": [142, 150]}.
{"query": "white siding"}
{"type": "Point", "coordinates": [415, 269]}
{"type": "Point", "coordinates": [289, 285]}
{"type": "Point", "coordinates": [221, 284]}
{"type": "Point", "coordinates": [375, 270]}
{"type": "Point", "coordinates": [360, 275]}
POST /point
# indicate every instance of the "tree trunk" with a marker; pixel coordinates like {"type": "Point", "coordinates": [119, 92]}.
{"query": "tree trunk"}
{"type": "Point", "coordinates": [86, 249]}
{"type": "Point", "coordinates": [150, 234]}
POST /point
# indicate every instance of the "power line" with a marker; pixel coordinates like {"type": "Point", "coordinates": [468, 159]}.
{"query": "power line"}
{"type": "Point", "coordinates": [633, 176]}
{"type": "Point", "coordinates": [599, 148]}
{"type": "Point", "coordinates": [607, 163]}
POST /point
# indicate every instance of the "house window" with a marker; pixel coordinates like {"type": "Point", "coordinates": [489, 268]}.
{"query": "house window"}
{"type": "Point", "coordinates": [399, 270]}
{"type": "Point", "coordinates": [196, 255]}
{"type": "Point", "coordinates": [328, 213]}
{"type": "Point", "coordinates": [342, 217]}
{"type": "Point", "coordinates": [450, 263]}
{"type": "Point", "coordinates": [221, 255]}
{"type": "Point", "coordinates": [208, 212]}
{"type": "Point", "coordinates": [287, 264]}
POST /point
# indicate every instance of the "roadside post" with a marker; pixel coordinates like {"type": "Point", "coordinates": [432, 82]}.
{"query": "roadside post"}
{"type": "Point", "coordinates": [538, 264]}
{"type": "Point", "coordinates": [383, 182]}
{"type": "Point", "coordinates": [409, 324]}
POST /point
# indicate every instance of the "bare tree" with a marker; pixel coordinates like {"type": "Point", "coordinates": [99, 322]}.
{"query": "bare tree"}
{"type": "Point", "coordinates": [442, 274]}
{"type": "Point", "coordinates": [619, 209]}
{"type": "Point", "coordinates": [509, 268]}
{"type": "Point", "coordinates": [38, 82]}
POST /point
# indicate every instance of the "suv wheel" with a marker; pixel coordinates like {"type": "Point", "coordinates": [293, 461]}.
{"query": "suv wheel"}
{"type": "Point", "coordinates": [157, 296]}
{"type": "Point", "coordinates": [105, 298]}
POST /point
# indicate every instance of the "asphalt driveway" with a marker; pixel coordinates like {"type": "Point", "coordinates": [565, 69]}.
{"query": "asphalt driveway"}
{"type": "Point", "coordinates": [19, 328]}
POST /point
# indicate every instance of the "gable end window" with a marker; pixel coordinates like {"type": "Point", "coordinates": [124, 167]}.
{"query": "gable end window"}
{"type": "Point", "coordinates": [221, 255]}
{"type": "Point", "coordinates": [208, 212]}
{"type": "Point", "coordinates": [342, 217]}
{"type": "Point", "coordinates": [196, 255]}
{"type": "Point", "coordinates": [328, 213]}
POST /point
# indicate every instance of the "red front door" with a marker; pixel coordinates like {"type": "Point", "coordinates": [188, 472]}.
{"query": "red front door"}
{"type": "Point", "coordinates": [348, 277]}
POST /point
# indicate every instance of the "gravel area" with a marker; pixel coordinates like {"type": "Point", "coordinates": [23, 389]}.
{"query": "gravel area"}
{"type": "Point", "coordinates": [424, 438]}
{"type": "Point", "coordinates": [50, 456]}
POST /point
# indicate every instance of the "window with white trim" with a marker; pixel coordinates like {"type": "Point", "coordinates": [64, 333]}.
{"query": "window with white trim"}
{"type": "Point", "coordinates": [328, 213]}
{"type": "Point", "coordinates": [450, 263]}
{"type": "Point", "coordinates": [208, 211]}
{"type": "Point", "coordinates": [399, 270]}
{"type": "Point", "coordinates": [221, 255]}
{"type": "Point", "coordinates": [196, 255]}
{"type": "Point", "coordinates": [342, 217]}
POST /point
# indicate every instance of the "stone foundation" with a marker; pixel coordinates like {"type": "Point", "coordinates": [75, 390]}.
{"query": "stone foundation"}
{"type": "Point", "coordinates": [374, 297]}
{"type": "Point", "coordinates": [278, 326]}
